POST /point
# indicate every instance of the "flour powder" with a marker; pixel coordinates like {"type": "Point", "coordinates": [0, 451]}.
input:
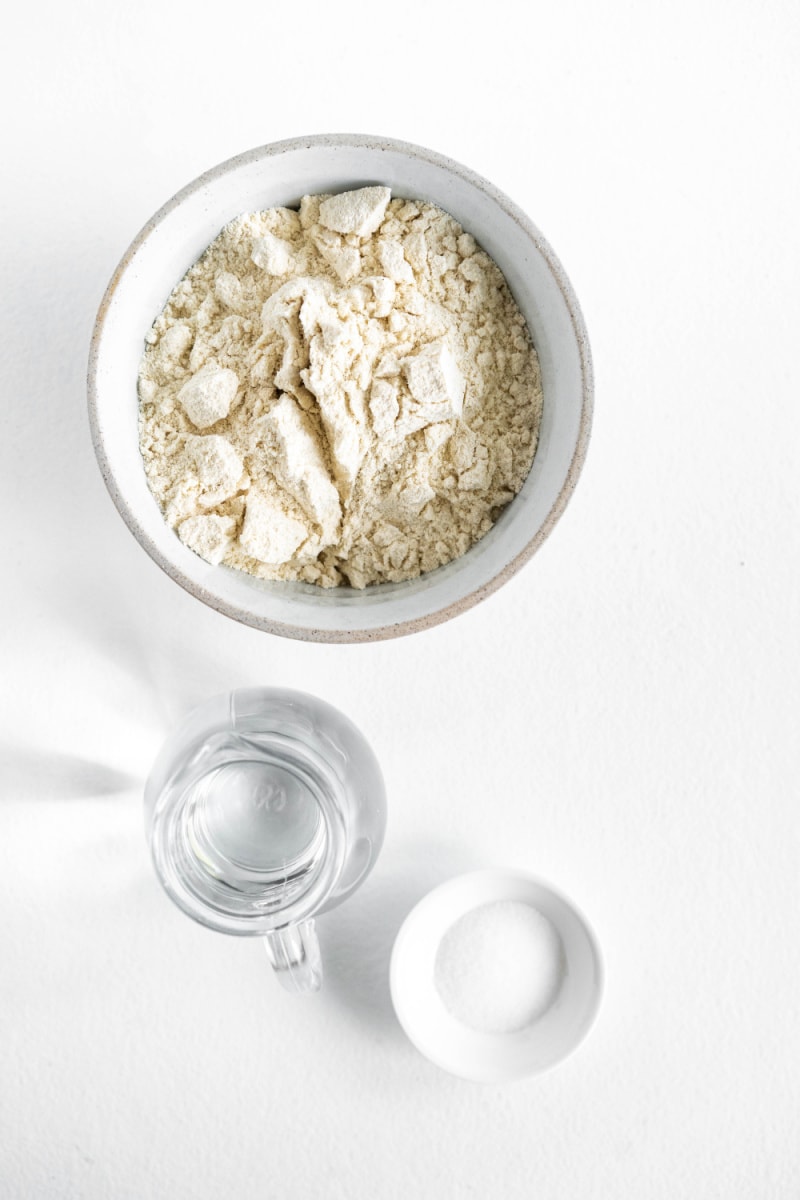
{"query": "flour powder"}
{"type": "Point", "coordinates": [346, 393]}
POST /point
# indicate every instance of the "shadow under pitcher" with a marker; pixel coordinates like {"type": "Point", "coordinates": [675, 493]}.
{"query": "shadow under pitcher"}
{"type": "Point", "coordinates": [264, 808]}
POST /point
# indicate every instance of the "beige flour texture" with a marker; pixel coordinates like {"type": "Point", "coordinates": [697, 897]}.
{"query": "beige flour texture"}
{"type": "Point", "coordinates": [346, 393]}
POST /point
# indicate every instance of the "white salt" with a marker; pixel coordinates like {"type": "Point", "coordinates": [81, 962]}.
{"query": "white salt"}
{"type": "Point", "coordinates": [499, 967]}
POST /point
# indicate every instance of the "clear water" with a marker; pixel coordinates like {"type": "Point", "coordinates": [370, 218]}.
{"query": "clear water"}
{"type": "Point", "coordinates": [253, 826]}
{"type": "Point", "coordinates": [265, 806]}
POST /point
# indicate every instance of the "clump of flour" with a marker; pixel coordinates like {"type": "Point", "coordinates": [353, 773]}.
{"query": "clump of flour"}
{"type": "Point", "coordinates": [346, 393]}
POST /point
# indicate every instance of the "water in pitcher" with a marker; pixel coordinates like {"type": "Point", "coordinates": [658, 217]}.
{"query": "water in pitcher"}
{"type": "Point", "coordinates": [249, 832]}
{"type": "Point", "coordinates": [264, 808]}
{"type": "Point", "coordinates": [253, 826]}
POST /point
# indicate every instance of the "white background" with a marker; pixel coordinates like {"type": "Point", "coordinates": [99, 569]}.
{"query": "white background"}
{"type": "Point", "coordinates": [621, 718]}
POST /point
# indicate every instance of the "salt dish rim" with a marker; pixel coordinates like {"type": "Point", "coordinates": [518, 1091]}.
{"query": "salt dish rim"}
{"type": "Point", "coordinates": [411, 999]}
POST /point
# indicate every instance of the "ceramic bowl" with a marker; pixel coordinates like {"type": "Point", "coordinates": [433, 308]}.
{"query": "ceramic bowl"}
{"type": "Point", "coordinates": [494, 1057]}
{"type": "Point", "coordinates": [280, 174]}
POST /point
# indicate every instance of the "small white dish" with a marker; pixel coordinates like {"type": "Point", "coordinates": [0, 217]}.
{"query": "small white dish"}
{"type": "Point", "coordinates": [280, 174]}
{"type": "Point", "coordinates": [494, 1057]}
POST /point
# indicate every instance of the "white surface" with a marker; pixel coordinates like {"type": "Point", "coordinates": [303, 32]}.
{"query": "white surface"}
{"type": "Point", "coordinates": [621, 718]}
{"type": "Point", "coordinates": [484, 1056]}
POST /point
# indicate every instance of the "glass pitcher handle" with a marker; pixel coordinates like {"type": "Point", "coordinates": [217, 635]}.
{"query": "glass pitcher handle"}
{"type": "Point", "coordinates": [294, 954]}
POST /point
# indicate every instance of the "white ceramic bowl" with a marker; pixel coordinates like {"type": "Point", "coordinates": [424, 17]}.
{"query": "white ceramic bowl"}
{"type": "Point", "coordinates": [494, 1057]}
{"type": "Point", "coordinates": [280, 174]}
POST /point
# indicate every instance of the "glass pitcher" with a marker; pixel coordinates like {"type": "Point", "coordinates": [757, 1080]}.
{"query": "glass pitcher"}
{"type": "Point", "coordinates": [264, 808]}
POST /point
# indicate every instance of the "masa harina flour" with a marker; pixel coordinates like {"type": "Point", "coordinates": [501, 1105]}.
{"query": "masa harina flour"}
{"type": "Point", "coordinates": [346, 393]}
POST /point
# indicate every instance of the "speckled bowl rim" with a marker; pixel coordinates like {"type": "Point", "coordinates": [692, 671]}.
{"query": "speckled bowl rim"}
{"type": "Point", "coordinates": [414, 624]}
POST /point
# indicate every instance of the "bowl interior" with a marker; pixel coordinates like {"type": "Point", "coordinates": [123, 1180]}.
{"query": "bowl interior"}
{"type": "Point", "coordinates": [281, 175]}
